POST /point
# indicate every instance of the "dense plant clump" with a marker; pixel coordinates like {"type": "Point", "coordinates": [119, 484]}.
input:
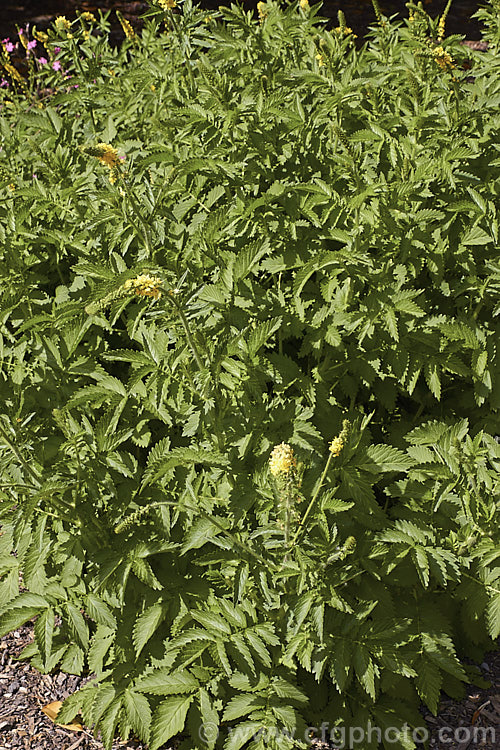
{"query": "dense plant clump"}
{"type": "Point", "coordinates": [250, 377]}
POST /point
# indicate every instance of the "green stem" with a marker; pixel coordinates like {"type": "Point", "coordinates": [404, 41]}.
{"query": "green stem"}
{"type": "Point", "coordinates": [313, 501]}
{"type": "Point", "coordinates": [135, 207]}
{"type": "Point", "coordinates": [19, 457]}
{"type": "Point", "coordinates": [185, 324]}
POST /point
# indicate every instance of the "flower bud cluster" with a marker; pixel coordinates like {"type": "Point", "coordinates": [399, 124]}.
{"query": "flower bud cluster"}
{"type": "Point", "coordinates": [337, 444]}
{"type": "Point", "coordinates": [282, 461]}
{"type": "Point", "coordinates": [144, 285]}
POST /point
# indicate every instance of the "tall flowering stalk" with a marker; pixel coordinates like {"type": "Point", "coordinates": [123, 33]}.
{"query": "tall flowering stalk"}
{"type": "Point", "coordinates": [127, 27]}
{"type": "Point", "coordinates": [442, 21]}
{"type": "Point", "coordinates": [335, 449]}
{"type": "Point", "coordinates": [283, 467]}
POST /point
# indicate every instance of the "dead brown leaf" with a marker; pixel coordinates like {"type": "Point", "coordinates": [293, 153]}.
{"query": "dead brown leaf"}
{"type": "Point", "coordinates": [52, 709]}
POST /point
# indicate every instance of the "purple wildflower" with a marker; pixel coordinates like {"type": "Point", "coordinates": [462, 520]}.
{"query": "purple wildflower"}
{"type": "Point", "coordinates": [56, 65]}
{"type": "Point", "coordinates": [57, 50]}
{"type": "Point", "coordinates": [42, 60]}
{"type": "Point", "coordinates": [4, 84]}
{"type": "Point", "coordinates": [9, 47]}
{"type": "Point", "coordinates": [32, 44]}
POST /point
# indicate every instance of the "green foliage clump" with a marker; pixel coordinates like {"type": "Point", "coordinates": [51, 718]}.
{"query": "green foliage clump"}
{"type": "Point", "coordinates": [250, 378]}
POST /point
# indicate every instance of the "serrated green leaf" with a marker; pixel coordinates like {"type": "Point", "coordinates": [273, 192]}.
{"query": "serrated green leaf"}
{"type": "Point", "coordinates": [380, 458]}
{"type": "Point", "coordinates": [169, 719]}
{"type": "Point", "coordinates": [19, 614]}
{"type": "Point", "coordinates": [428, 683]}
{"type": "Point", "coordinates": [493, 616]}
{"type": "Point", "coordinates": [78, 625]}
{"type": "Point", "coordinates": [99, 611]}
{"type": "Point", "coordinates": [138, 713]}
{"type": "Point", "coordinates": [44, 630]}
{"type": "Point", "coordinates": [73, 659]}
{"type": "Point", "coordinates": [165, 682]}
{"type": "Point", "coordinates": [100, 644]}
{"type": "Point", "coordinates": [146, 624]}
{"type": "Point", "coordinates": [242, 705]}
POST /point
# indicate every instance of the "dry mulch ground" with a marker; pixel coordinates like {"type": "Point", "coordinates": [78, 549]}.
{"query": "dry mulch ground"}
{"type": "Point", "coordinates": [23, 693]}
{"type": "Point", "coordinates": [470, 724]}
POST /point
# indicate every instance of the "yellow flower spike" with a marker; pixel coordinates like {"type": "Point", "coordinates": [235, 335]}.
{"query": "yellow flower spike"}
{"type": "Point", "coordinates": [319, 58]}
{"type": "Point", "coordinates": [443, 58]}
{"type": "Point", "coordinates": [441, 28]}
{"type": "Point", "coordinates": [336, 446]}
{"type": "Point", "coordinates": [144, 285]}
{"type": "Point", "coordinates": [261, 9]}
{"type": "Point", "coordinates": [442, 21]}
{"type": "Point", "coordinates": [338, 443]}
{"type": "Point", "coordinates": [105, 153]}
{"type": "Point", "coordinates": [282, 460]}
{"type": "Point", "coordinates": [126, 26]}
{"type": "Point", "coordinates": [16, 76]}
{"type": "Point", "coordinates": [167, 4]}
{"type": "Point", "coordinates": [345, 31]}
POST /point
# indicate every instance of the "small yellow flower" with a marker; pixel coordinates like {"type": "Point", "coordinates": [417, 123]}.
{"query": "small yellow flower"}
{"type": "Point", "coordinates": [105, 153]}
{"type": "Point", "coordinates": [261, 9]}
{"type": "Point", "coordinates": [41, 36]}
{"type": "Point", "coordinates": [86, 34]}
{"type": "Point", "coordinates": [443, 58]}
{"type": "Point", "coordinates": [345, 31]}
{"type": "Point", "coordinates": [304, 4]}
{"type": "Point", "coordinates": [152, 87]}
{"type": "Point", "coordinates": [61, 23]}
{"type": "Point", "coordinates": [282, 460]}
{"type": "Point", "coordinates": [167, 4]}
{"type": "Point", "coordinates": [69, 36]}
{"type": "Point", "coordinates": [144, 285]}
{"type": "Point", "coordinates": [338, 443]}
{"type": "Point", "coordinates": [336, 446]}
{"type": "Point", "coordinates": [12, 187]}
{"type": "Point", "coordinates": [87, 16]}
{"type": "Point", "coordinates": [320, 59]}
